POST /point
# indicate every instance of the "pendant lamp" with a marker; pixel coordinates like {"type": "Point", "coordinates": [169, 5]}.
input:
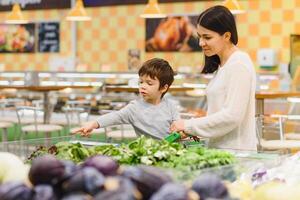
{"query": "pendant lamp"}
{"type": "Point", "coordinates": [233, 6]}
{"type": "Point", "coordinates": [152, 10]}
{"type": "Point", "coordinates": [78, 13]}
{"type": "Point", "coordinates": [15, 16]}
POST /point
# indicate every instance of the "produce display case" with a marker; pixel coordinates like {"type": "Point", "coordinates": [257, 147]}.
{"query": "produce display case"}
{"type": "Point", "coordinates": [24, 148]}
{"type": "Point", "coordinates": [247, 161]}
{"type": "Point", "coordinates": [250, 161]}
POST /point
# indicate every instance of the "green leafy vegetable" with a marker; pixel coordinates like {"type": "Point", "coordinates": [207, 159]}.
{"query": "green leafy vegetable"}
{"type": "Point", "coordinates": [146, 151]}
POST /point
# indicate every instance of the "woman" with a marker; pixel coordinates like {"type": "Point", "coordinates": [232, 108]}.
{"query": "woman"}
{"type": "Point", "coordinates": [230, 120]}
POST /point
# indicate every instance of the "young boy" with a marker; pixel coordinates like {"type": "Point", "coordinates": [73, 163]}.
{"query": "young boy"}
{"type": "Point", "coordinates": [149, 115]}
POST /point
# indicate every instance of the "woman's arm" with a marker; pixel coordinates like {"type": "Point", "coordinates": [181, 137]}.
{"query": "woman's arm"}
{"type": "Point", "coordinates": [230, 116]}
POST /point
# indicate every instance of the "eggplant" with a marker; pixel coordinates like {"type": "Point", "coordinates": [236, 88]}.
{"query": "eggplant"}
{"type": "Point", "coordinates": [171, 191]}
{"type": "Point", "coordinates": [104, 164]}
{"type": "Point", "coordinates": [87, 180]}
{"type": "Point", "coordinates": [148, 179]}
{"type": "Point", "coordinates": [77, 196]}
{"type": "Point", "coordinates": [210, 186]}
{"type": "Point", "coordinates": [46, 170]}
{"type": "Point", "coordinates": [175, 191]}
{"type": "Point", "coordinates": [44, 192]}
{"type": "Point", "coordinates": [70, 169]}
{"type": "Point", "coordinates": [118, 188]}
{"type": "Point", "coordinates": [15, 191]}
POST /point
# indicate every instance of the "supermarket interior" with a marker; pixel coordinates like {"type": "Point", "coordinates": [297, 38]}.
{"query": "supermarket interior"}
{"type": "Point", "coordinates": [149, 99]}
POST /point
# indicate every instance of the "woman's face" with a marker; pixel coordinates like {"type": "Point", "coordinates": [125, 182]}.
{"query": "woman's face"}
{"type": "Point", "coordinates": [211, 42]}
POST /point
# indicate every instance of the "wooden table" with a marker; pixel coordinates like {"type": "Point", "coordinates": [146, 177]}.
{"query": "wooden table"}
{"type": "Point", "coordinates": [260, 101]}
{"type": "Point", "coordinates": [126, 88]}
{"type": "Point", "coordinates": [45, 90]}
{"type": "Point", "coordinates": [261, 96]}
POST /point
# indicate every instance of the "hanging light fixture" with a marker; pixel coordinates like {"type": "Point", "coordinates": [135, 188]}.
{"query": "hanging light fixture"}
{"type": "Point", "coordinates": [233, 6]}
{"type": "Point", "coordinates": [78, 12]}
{"type": "Point", "coordinates": [15, 16]}
{"type": "Point", "coordinates": [152, 10]}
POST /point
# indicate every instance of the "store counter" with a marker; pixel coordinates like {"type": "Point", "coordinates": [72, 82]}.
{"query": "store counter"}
{"type": "Point", "coordinates": [262, 95]}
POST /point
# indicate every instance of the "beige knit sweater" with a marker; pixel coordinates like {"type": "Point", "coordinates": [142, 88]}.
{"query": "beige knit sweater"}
{"type": "Point", "coordinates": [230, 120]}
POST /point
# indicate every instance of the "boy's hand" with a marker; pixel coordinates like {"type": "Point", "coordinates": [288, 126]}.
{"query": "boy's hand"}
{"type": "Point", "coordinates": [177, 126]}
{"type": "Point", "coordinates": [86, 129]}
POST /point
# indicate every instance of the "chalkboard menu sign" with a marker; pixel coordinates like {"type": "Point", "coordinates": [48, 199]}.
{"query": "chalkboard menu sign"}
{"type": "Point", "coordinates": [48, 37]}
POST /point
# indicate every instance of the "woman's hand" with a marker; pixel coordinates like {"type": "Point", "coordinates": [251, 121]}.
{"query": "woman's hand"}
{"type": "Point", "coordinates": [177, 126]}
{"type": "Point", "coordinates": [86, 129]}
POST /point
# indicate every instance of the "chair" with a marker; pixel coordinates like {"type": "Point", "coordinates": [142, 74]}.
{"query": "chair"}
{"type": "Point", "coordinates": [118, 132]}
{"type": "Point", "coordinates": [8, 113]}
{"type": "Point", "coordinates": [77, 116]}
{"type": "Point", "coordinates": [61, 118]}
{"type": "Point", "coordinates": [290, 135]}
{"type": "Point", "coordinates": [8, 109]}
{"type": "Point", "coordinates": [4, 127]}
{"type": "Point", "coordinates": [38, 103]}
{"type": "Point", "coordinates": [27, 112]}
{"type": "Point", "coordinates": [279, 144]}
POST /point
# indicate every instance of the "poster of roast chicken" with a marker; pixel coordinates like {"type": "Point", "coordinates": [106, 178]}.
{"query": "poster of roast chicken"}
{"type": "Point", "coordinates": [174, 33]}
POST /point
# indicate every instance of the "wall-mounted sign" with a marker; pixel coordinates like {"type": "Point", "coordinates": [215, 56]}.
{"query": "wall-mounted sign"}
{"type": "Point", "coordinates": [48, 37]}
{"type": "Point", "coordinates": [17, 38]}
{"type": "Point", "coordinates": [6, 5]}
{"type": "Point", "coordinates": [174, 33]}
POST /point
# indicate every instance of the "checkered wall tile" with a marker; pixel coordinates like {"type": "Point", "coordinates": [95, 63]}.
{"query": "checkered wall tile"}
{"type": "Point", "coordinates": [38, 61]}
{"type": "Point", "coordinates": [102, 43]}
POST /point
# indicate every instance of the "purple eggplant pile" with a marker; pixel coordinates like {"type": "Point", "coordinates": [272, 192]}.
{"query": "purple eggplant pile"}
{"type": "Point", "coordinates": [101, 178]}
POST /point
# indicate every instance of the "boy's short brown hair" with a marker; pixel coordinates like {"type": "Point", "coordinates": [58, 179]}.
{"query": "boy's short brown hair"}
{"type": "Point", "coordinates": [160, 69]}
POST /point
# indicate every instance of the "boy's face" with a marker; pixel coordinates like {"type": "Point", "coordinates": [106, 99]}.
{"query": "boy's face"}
{"type": "Point", "coordinates": [149, 89]}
